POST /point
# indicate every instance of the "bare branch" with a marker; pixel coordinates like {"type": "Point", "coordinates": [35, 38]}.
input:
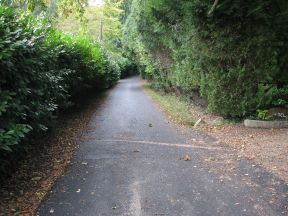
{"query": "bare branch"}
{"type": "Point", "coordinates": [210, 13]}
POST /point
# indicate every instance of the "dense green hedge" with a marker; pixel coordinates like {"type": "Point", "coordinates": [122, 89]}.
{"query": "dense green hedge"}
{"type": "Point", "coordinates": [43, 71]}
{"type": "Point", "coordinates": [234, 54]}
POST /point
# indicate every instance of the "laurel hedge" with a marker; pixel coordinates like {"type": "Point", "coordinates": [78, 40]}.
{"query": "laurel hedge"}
{"type": "Point", "coordinates": [43, 71]}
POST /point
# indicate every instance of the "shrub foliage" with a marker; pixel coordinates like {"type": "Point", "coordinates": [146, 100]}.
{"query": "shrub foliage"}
{"type": "Point", "coordinates": [234, 53]}
{"type": "Point", "coordinates": [42, 72]}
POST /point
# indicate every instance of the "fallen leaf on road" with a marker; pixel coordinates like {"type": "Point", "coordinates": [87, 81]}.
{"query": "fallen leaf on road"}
{"type": "Point", "coordinates": [186, 157]}
{"type": "Point", "coordinates": [136, 151]}
{"type": "Point", "coordinates": [252, 157]}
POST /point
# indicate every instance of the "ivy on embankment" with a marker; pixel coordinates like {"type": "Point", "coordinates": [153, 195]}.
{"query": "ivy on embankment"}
{"type": "Point", "coordinates": [234, 53]}
{"type": "Point", "coordinates": [43, 71]}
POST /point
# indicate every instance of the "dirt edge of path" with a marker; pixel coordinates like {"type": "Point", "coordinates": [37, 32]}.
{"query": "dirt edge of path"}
{"type": "Point", "coordinates": [266, 147]}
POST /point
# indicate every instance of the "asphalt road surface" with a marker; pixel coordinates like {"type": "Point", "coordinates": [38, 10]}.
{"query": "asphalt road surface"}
{"type": "Point", "coordinates": [130, 162]}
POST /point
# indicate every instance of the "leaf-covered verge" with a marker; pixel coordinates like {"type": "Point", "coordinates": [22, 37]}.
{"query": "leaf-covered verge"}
{"type": "Point", "coordinates": [267, 148]}
{"type": "Point", "coordinates": [177, 108]}
{"type": "Point", "coordinates": [234, 53]}
{"type": "Point", "coordinates": [43, 72]}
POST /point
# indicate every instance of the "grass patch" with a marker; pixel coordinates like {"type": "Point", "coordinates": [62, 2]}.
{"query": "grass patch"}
{"type": "Point", "coordinates": [177, 108]}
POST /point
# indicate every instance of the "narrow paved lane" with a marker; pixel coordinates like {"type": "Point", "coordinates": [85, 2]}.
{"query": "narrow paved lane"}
{"type": "Point", "coordinates": [129, 163]}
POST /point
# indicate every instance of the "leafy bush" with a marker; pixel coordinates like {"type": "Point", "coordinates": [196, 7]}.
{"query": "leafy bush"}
{"type": "Point", "coordinates": [228, 53]}
{"type": "Point", "coordinates": [43, 71]}
{"type": "Point", "coordinates": [280, 96]}
{"type": "Point", "coordinates": [127, 67]}
{"type": "Point", "coordinates": [263, 114]}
